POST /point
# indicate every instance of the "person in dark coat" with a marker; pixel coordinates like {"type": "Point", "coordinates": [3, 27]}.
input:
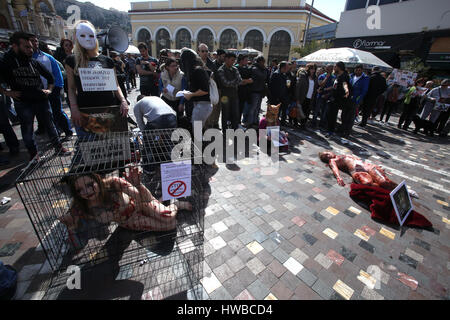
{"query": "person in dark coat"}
{"type": "Point", "coordinates": [377, 86]}
{"type": "Point", "coordinates": [306, 88]}
{"type": "Point", "coordinates": [279, 90]}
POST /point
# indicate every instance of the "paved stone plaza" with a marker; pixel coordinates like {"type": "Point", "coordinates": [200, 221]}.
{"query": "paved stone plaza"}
{"type": "Point", "coordinates": [295, 234]}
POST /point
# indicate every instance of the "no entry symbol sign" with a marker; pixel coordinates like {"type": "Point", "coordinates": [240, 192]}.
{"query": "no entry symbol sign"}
{"type": "Point", "coordinates": [177, 189]}
{"type": "Point", "coordinates": [176, 180]}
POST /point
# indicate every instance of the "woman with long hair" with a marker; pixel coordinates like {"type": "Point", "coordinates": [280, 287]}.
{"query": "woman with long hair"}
{"type": "Point", "coordinates": [124, 201]}
{"type": "Point", "coordinates": [64, 50]}
{"type": "Point", "coordinates": [198, 83]}
{"type": "Point", "coordinates": [86, 55]}
{"type": "Point", "coordinates": [306, 89]}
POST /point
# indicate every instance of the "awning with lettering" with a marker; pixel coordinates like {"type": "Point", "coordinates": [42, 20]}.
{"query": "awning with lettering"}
{"type": "Point", "coordinates": [410, 42]}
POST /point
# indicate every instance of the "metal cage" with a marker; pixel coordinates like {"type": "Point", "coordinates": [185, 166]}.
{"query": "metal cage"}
{"type": "Point", "coordinates": [86, 222]}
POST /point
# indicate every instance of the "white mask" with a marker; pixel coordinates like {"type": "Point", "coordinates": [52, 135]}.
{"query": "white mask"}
{"type": "Point", "coordinates": [86, 36]}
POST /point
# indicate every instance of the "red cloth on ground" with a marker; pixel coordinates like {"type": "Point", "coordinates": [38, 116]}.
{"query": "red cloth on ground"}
{"type": "Point", "coordinates": [381, 206]}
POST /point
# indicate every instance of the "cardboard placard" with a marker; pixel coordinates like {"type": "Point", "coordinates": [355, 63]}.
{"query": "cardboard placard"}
{"type": "Point", "coordinates": [403, 77]}
{"type": "Point", "coordinates": [401, 202]}
{"type": "Point", "coordinates": [101, 120]}
{"type": "Point", "coordinates": [106, 150]}
{"type": "Point", "coordinates": [98, 79]}
{"type": "Point", "coordinates": [176, 180]}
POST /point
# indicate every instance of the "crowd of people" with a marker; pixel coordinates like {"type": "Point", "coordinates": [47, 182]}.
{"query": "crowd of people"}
{"type": "Point", "coordinates": [35, 82]}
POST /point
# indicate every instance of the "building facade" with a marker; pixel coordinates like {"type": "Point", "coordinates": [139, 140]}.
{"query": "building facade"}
{"type": "Point", "coordinates": [272, 27]}
{"type": "Point", "coordinates": [407, 29]}
{"type": "Point", "coordinates": [34, 16]}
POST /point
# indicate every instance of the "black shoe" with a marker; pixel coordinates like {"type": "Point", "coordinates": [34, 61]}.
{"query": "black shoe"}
{"type": "Point", "coordinates": [3, 161]}
{"type": "Point", "coordinates": [39, 132]}
{"type": "Point", "coordinates": [14, 151]}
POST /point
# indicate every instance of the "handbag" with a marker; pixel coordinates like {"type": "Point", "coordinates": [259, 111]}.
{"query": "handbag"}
{"type": "Point", "coordinates": [213, 91]}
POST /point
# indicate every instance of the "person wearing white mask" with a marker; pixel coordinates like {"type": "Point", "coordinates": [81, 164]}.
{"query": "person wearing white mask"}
{"type": "Point", "coordinates": [86, 55]}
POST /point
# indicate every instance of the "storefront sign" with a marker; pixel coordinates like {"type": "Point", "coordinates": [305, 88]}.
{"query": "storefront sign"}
{"type": "Point", "coordinates": [368, 44]}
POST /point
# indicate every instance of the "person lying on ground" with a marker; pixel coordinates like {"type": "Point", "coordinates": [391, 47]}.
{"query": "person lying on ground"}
{"type": "Point", "coordinates": [362, 172]}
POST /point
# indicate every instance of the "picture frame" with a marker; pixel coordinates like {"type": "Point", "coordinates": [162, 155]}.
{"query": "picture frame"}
{"type": "Point", "coordinates": [401, 201]}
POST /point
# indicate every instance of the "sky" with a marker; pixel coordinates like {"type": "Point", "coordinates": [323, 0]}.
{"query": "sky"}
{"type": "Point", "coordinates": [331, 8]}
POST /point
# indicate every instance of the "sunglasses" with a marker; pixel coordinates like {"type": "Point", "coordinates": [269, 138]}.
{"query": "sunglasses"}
{"type": "Point", "coordinates": [203, 50]}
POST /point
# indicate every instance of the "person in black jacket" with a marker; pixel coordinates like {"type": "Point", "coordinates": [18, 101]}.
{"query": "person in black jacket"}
{"type": "Point", "coordinates": [260, 77]}
{"type": "Point", "coordinates": [279, 90]}
{"type": "Point", "coordinates": [244, 89]}
{"type": "Point", "coordinates": [23, 75]}
{"type": "Point", "coordinates": [377, 86]}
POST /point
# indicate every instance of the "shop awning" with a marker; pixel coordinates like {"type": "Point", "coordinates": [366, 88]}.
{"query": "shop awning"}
{"type": "Point", "coordinates": [439, 55]}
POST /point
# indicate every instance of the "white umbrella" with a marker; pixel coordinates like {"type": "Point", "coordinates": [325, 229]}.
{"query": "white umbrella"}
{"type": "Point", "coordinates": [351, 58]}
{"type": "Point", "coordinates": [132, 49]}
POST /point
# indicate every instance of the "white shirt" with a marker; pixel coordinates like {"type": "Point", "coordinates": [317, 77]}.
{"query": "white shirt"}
{"type": "Point", "coordinates": [310, 89]}
{"type": "Point", "coordinates": [355, 78]}
{"type": "Point", "coordinates": [151, 108]}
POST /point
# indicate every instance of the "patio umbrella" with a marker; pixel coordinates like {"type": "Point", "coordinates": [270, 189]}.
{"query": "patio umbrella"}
{"type": "Point", "coordinates": [132, 49]}
{"type": "Point", "coordinates": [351, 57]}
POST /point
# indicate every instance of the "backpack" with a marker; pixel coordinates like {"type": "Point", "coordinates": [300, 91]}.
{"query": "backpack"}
{"type": "Point", "coordinates": [213, 91]}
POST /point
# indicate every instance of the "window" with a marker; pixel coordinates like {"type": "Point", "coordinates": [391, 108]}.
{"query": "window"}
{"type": "Point", "coordinates": [228, 40]}
{"type": "Point", "coordinates": [254, 39]}
{"type": "Point", "coordinates": [205, 36]}
{"type": "Point", "coordinates": [183, 39]}
{"type": "Point", "coordinates": [162, 40]}
{"type": "Point", "coordinates": [144, 36]}
{"type": "Point", "coordinates": [355, 4]}
{"type": "Point", "coordinates": [280, 46]}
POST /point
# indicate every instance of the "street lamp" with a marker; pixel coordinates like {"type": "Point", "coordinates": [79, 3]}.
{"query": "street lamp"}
{"type": "Point", "coordinates": [309, 22]}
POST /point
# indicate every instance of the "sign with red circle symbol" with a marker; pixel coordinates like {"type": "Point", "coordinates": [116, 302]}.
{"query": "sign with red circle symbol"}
{"type": "Point", "coordinates": [176, 180]}
{"type": "Point", "coordinates": [177, 189]}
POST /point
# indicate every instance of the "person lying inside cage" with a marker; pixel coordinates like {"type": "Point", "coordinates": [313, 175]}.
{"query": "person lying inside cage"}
{"type": "Point", "coordinates": [126, 202]}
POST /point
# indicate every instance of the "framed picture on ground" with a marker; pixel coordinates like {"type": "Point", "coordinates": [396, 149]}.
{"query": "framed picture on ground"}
{"type": "Point", "coordinates": [401, 202]}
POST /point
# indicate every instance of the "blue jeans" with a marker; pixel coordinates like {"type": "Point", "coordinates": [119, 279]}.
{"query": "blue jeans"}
{"type": "Point", "coordinates": [61, 119]}
{"type": "Point", "coordinates": [254, 108]}
{"type": "Point", "coordinates": [6, 129]}
{"type": "Point", "coordinates": [12, 114]}
{"type": "Point", "coordinates": [26, 111]}
{"type": "Point", "coordinates": [322, 108]}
